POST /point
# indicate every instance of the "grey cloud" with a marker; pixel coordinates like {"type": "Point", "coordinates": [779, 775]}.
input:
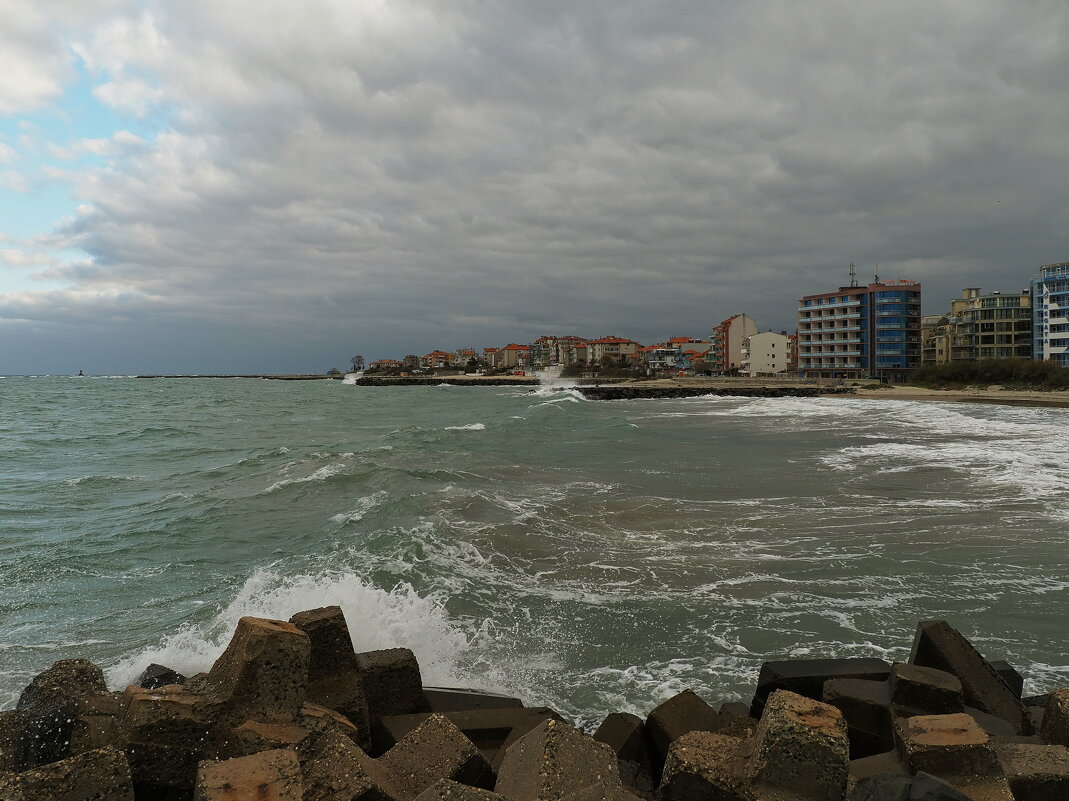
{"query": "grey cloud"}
{"type": "Point", "coordinates": [479, 173]}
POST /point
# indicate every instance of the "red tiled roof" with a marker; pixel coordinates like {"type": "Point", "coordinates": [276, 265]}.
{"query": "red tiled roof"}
{"type": "Point", "coordinates": [514, 346]}
{"type": "Point", "coordinates": [612, 341]}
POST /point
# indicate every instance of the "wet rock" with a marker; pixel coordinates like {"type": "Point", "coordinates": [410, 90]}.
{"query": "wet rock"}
{"type": "Point", "coordinates": [491, 730]}
{"type": "Point", "coordinates": [946, 745]}
{"type": "Point", "coordinates": [267, 776]}
{"type": "Point", "coordinates": [866, 707]}
{"type": "Point", "coordinates": [262, 674]}
{"type": "Point", "coordinates": [1056, 718]}
{"type": "Point", "coordinates": [333, 673]}
{"type": "Point", "coordinates": [434, 750]}
{"type": "Point", "coordinates": [938, 645]}
{"type": "Point", "coordinates": [807, 676]}
{"type": "Point", "coordinates": [680, 714]}
{"type": "Point", "coordinates": [96, 722]}
{"type": "Point", "coordinates": [101, 775]}
{"type": "Point", "coordinates": [552, 761]}
{"type": "Point", "coordinates": [936, 692]}
{"type": "Point", "coordinates": [338, 770]}
{"type": "Point", "coordinates": [445, 790]}
{"type": "Point", "coordinates": [392, 683]}
{"type": "Point", "coordinates": [50, 704]}
{"type": "Point", "coordinates": [800, 747]}
{"type": "Point", "coordinates": [1035, 772]}
{"type": "Point", "coordinates": [705, 766]}
{"type": "Point", "coordinates": [12, 737]}
{"type": "Point", "coordinates": [159, 676]}
{"type": "Point", "coordinates": [626, 736]}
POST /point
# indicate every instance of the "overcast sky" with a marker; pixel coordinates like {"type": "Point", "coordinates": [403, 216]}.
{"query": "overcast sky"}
{"type": "Point", "coordinates": [270, 185]}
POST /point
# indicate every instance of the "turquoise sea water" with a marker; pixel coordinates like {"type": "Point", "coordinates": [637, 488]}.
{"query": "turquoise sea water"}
{"type": "Point", "coordinates": [590, 556]}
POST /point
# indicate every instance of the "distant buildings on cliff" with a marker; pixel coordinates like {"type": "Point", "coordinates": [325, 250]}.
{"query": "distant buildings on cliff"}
{"type": "Point", "coordinates": [851, 332]}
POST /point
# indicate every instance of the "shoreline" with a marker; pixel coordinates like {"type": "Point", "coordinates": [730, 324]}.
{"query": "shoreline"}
{"type": "Point", "coordinates": [1005, 397]}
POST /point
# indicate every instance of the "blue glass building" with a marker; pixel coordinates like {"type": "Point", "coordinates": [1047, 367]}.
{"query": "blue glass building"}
{"type": "Point", "coordinates": [858, 332]}
{"type": "Point", "coordinates": [1050, 313]}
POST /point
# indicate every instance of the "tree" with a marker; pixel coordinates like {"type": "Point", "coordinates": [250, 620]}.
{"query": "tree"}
{"type": "Point", "coordinates": [357, 363]}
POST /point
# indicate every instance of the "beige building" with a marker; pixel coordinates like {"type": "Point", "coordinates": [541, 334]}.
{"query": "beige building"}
{"type": "Point", "coordinates": [978, 326]}
{"type": "Point", "coordinates": [765, 354]}
{"type": "Point", "coordinates": [725, 354]}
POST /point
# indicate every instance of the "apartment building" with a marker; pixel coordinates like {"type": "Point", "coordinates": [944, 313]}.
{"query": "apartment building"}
{"type": "Point", "coordinates": [613, 348]}
{"type": "Point", "coordinates": [979, 326]}
{"type": "Point", "coordinates": [861, 331]}
{"type": "Point", "coordinates": [725, 353]}
{"type": "Point", "coordinates": [1050, 313]}
{"type": "Point", "coordinates": [765, 354]}
{"type": "Point", "coordinates": [547, 350]}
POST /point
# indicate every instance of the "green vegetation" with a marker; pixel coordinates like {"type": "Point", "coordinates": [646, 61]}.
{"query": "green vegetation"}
{"type": "Point", "coordinates": [1009, 373]}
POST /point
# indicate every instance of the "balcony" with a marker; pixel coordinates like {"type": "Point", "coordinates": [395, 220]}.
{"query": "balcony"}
{"type": "Point", "coordinates": [838, 305]}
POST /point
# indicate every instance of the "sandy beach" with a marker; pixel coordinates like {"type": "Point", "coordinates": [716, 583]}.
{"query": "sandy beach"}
{"type": "Point", "coordinates": [1057, 398]}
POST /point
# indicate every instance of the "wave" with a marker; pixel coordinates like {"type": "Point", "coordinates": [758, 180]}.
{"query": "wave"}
{"type": "Point", "coordinates": [377, 619]}
{"type": "Point", "coordinates": [362, 507]}
{"type": "Point", "coordinates": [469, 427]}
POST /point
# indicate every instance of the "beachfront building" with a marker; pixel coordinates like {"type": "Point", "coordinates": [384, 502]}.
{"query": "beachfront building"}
{"type": "Point", "coordinates": [547, 350]}
{"type": "Point", "coordinates": [435, 359]}
{"type": "Point", "coordinates": [979, 326]}
{"type": "Point", "coordinates": [764, 354]}
{"type": "Point", "coordinates": [725, 353]}
{"type": "Point", "coordinates": [512, 355]}
{"type": "Point", "coordinates": [1050, 315]}
{"type": "Point", "coordinates": [610, 348]}
{"type": "Point", "coordinates": [381, 365]}
{"type": "Point", "coordinates": [861, 331]}
{"type": "Point", "coordinates": [792, 353]}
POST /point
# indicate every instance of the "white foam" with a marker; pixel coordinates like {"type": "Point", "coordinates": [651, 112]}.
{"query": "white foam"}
{"type": "Point", "coordinates": [362, 507]}
{"type": "Point", "coordinates": [322, 474]}
{"type": "Point", "coordinates": [377, 619]}
{"type": "Point", "coordinates": [469, 427]}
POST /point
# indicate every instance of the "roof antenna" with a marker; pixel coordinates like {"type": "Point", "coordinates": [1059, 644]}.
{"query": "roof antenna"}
{"type": "Point", "coordinates": [853, 275]}
{"type": "Point", "coordinates": [876, 275]}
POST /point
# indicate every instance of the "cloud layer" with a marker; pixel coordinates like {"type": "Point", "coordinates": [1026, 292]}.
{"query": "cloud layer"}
{"type": "Point", "coordinates": [387, 178]}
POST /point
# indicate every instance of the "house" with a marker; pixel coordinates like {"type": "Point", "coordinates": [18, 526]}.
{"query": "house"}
{"type": "Point", "coordinates": [764, 354]}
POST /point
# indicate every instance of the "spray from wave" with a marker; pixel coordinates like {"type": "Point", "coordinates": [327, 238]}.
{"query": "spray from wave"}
{"type": "Point", "coordinates": [377, 619]}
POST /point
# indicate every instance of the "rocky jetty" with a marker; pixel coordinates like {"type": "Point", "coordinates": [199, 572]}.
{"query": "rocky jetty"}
{"type": "Point", "coordinates": [457, 380]}
{"type": "Point", "coordinates": [633, 391]}
{"type": "Point", "coordinates": [289, 712]}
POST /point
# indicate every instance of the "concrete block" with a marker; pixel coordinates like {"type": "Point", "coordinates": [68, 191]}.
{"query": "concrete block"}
{"type": "Point", "coordinates": [626, 735]}
{"type": "Point", "coordinates": [392, 683]}
{"type": "Point", "coordinates": [934, 692]}
{"type": "Point", "coordinates": [434, 750]}
{"type": "Point", "coordinates": [946, 745]}
{"type": "Point", "coordinates": [1056, 718]}
{"type": "Point", "coordinates": [492, 730]}
{"type": "Point", "coordinates": [12, 731]}
{"type": "Point", "coordinates": [602, 792]}
{"type": "Point", "coordinates": [926, 787]}
{"type": "Point", "coordinates": [866, 707]}
{"type": "Point", "coordinates": [993, 726]}
{"type": "Point", "coordinates": [50, 702]}
{"type": "Point", "coordinates": [1009, 675]}
{"type": "Point", "coordinates": [552, 761]}
{"type": "Point", "coordinates": [869, 770]}
{"type": "Point", "coordinates": [705, 766]}
{"type": "Point", "coordinates": [167, 733]}
{"type": "Point", "coordinates": [254, 736]}
{"type": "Point", "coordinates": [333, 673]}
{"type": "Point", "coordinates": [807, 676]}
{"type": "Point", "coordinates": [337, 770]}
{"type": "Point", "coordinates": [443, 699]}
{"type": "Point", "coordinates": [1035, 772]}
{"type": "Point", "coordinates": [938, 645]}
{"type": "Point", "coordinates": [320, 718]}
{"type": "Point", "coordinates": [262, 674]}
{"type": "Point", "coordinates": [267, 776]}
{"type": "Point", "coordinates": [446, 790]}
{"type": "Point", "coordinates": [101, 775]}
{"type": "Point", "coordinates": [800, 747]}
{"type": "Point", "coordinates": [159, 676]}
{"type": "Point", "coordinates": [681, 713]}
{"type": "Point", "coordinates": [96, 722]}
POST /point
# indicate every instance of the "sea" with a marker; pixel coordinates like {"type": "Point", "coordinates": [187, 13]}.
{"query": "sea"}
{"type": "Point", "coordinates": [591, 556]}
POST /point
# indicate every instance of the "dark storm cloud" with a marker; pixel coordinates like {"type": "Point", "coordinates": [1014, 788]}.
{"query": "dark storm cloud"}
{"type": "Point", "coordinates": [392, 178]}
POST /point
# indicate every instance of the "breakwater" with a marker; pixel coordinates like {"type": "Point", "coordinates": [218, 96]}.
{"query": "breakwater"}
{"type": "Point", "coordinates": [454, 381]}
{"type": "Point", "coordinates": [291, 711]}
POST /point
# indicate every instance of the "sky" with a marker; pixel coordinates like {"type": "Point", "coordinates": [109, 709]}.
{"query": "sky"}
{"type": "Point", "coordinates": [275, 186]}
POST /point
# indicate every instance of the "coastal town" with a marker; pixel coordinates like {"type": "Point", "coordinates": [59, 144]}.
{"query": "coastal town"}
{"type": "Point", "coordinates": [870, 331]}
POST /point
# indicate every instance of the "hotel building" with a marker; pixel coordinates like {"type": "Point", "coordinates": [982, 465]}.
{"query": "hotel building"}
{"type": "Point", "coordinates": [725, 353]}
{"type": "Point", "coordinates": [861, 331]}
{"type": "Point", "coordinates": [1050, 314]}
{"type": "Point", "coordinates": [978, 326]}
